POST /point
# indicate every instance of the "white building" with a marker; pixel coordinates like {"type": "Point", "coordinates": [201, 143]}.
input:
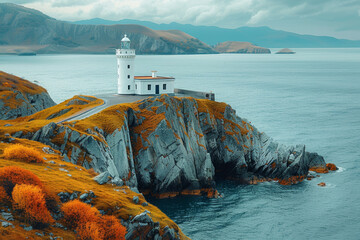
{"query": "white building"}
{"type": "Point", "coordinates": [140, 85]}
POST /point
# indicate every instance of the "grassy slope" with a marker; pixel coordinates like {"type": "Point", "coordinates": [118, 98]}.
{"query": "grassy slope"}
{"type": "Point", "coordinates": [115, 200]}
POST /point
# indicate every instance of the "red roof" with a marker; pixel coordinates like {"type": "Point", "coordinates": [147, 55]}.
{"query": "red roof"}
{"type": "Point", "coordinates": [151, 78]}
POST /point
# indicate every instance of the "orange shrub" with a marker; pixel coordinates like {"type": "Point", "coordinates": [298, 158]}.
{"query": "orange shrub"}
{"type": "Point", "coordinates": [77, 213]}
{"type": "Point", "coordinates": [12, 175]}
{"type": "Point", "coordinates": [3, 195]}
{"type": "Point", "coordinates": [90, 231]}
{"type": "Point", "coordinates": [23, 153]}
{"type": "Point", "coordinates": [112, 228]}
{"type": "Point", "coordinates": [89, 223]}
{"type": "Point", "coordinates": [31, 200]}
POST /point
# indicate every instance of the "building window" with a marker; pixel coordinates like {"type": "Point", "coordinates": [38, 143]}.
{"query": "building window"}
{"type": "Point", "coordinates": [128, 66]}
{"type": "Point", "coordinates": [164, 86]}
{"type": "Point", "coordinates": [135, 86]}
{"type": "Point", "coordinates": [128, 87]}
{"type": "Point", "coordinates": [149, 86]}
{"type": "Point", "coordinates": [128, 76]}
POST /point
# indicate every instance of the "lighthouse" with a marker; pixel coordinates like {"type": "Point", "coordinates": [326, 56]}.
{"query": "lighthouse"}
{"type": "Point", "coordinates": [138, 85]}
{"type": "Point", "coordinates": [125, 64]}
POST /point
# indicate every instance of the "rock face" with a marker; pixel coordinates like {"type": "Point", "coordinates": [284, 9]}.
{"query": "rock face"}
{"type": "Point", "coordinates": [19, 97]}
{"type": "Point", "coordinates": [239, 47]}
{"type": "Point", "coordinates": [168, 146]}
{"type": "Point", "coordinates": [28, 30]}
{"type": "Point", "coordinates": [285, 51]}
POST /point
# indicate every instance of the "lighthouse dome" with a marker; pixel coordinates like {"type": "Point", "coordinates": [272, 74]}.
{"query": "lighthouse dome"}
{"type": "Point", "coordinates": [125, 39]}
{"type": "Point", "coordinates": [125, 42]}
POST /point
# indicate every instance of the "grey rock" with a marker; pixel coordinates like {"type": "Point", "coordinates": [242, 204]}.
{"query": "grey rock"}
{"type": "Point", "coordinates": [7, 216]}
{"type": "Point", "coordinates": [136, 199]}
{"type": "Point", "coordinates": [74, 195]}
{"type": "Point", "coordinates": [27, 228]}
{"type": "Point", "coordinates": [144, 204]}
{"type": "Point", "coordinates": [84, 196]}
{"type": "Point", "coordinates": [169, 233]}
{"type": "Point", "coordinates": [117, 181]}
{"type": "Point", "coordinates": [29, 103]}
{"type": "Point", "coordinates": [59, 225]}
{"type": "Point", "coordinates": [142, 218]}
{"type": "Point", "coordinates": [102, 178]}
{"type": "Point", "coordinates": [64, 196]}
{"type": "Point", "coordinates": [6, 224]}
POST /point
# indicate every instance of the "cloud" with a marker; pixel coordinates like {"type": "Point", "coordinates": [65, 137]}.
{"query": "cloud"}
{"type": "Point", "coordinates": [258, 17]}
{"type": "Point", "coordinates": [320, 17]}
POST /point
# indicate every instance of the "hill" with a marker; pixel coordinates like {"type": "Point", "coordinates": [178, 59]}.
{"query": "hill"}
{"type": "Point", "coordinates": [260, 36]}
{"type": "Point", "coordinates": [20, 97]}
{"type": "Point", "coordinates": [28, 30]}
{"type": "Point", "coordinates": [239, 47]}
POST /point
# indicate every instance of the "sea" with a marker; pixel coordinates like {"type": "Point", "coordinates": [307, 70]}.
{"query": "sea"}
{"type": "Point", "coordinates": [311, 97]}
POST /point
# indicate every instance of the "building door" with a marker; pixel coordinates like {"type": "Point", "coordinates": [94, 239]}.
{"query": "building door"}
{"type": "Point", "coordinates": [157, 89]}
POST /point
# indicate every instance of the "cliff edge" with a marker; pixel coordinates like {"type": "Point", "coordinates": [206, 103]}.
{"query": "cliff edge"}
{"type": "Point", "coordinates": [19, 97]}
{"type": "Point", "coordinates": [166, 146]}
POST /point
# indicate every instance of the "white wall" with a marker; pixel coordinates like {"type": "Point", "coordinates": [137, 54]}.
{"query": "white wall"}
{"type": "Point", "coordinates": [125, 57]}
{"type": "Point", "coordinates": [142, 86]}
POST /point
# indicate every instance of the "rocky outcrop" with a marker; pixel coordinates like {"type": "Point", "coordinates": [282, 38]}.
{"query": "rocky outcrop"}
{"type": "Point", "coordinates": [168, 146]}
{"type": "Point", "coordinates": [240, 47]}
{"type": "Point", "coordinates": [25, 29]}
{"type": "Point", "coordinates": [19, 97]}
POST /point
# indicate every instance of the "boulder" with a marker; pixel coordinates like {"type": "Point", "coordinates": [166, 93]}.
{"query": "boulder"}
{"type": "Point", "coordinates": [102, 178]}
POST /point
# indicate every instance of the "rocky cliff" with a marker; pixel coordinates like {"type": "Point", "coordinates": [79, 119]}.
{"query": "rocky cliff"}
{"type": "Point", "coordinates": [19, 97]}
{"type": "Point", "coordinates": [28, 30]}
{"type": "Point", "coordinates": [167, 146]}
{"type": "Point", "coordinates": [240, 47]}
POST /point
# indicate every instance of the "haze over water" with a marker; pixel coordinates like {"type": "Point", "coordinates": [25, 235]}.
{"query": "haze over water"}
{"type": "Point", "coordinates": [311, 98]}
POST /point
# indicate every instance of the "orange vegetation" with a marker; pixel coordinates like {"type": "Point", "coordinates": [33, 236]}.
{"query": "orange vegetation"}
{"type": "Point", "coordinates": [77, 213]}
{"type": "Point", "coordinates": [36, 121]}
{"type": "Point", "coordinates": [3, 195]}
{"type": "Point", "coordinates": [322, 184]}
{"type": "Point", "coordinates": [291, 180]}
{"type": "Point", "coordinates": [227, 148]}
{"type": "Point", "coordinates": [112, 228]}
{"type": "Point", "coordinates": [117, 201]}
{"type": "Point", "coordinates": [331, 166]}
{"type": "Point", "coordinates": [89, 223]}
{"type": "Point", "coordinates": [273, 165]}
{"type": "Point", "coordinates": [89, 231]}
{"type": "Point", "coordinates": [12, 175]}
{"type": "Point", "coordinates": [209, 192]}
{"type": "Point", "coordinates": [10, 85]}
{"type": "Point", "coordinates": [30, 199]}
{"type": "Point", "coordinates": [319, 169]}
{"type": "Point", "coordinates": [23, 153]}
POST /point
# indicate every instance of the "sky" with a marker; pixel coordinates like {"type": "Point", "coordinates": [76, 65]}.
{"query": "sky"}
{"type": "Point", "coordinates": [338, 18]}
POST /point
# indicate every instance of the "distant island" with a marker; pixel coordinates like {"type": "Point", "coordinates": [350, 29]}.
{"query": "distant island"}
{"type": "Point", "coordinates": [285, 51]}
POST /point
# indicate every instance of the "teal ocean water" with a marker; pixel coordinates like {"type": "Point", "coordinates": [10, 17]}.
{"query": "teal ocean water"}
{"type": "Point", "coordinates": [312, 97]}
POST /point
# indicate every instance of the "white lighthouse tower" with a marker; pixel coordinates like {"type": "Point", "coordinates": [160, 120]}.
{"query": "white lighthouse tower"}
{"type": "Point", "coordinates": [125, 60]}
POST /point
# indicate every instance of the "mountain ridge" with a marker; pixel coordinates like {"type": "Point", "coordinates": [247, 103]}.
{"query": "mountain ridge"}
{"type": "Point", "coordinates": [262, 36]}
{"type": "Point", "coordinates": [25, 29]}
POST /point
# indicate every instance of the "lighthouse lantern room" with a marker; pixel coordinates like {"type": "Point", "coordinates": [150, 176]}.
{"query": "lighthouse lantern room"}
{"type": "Point", "coordinates": [139, 85]}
